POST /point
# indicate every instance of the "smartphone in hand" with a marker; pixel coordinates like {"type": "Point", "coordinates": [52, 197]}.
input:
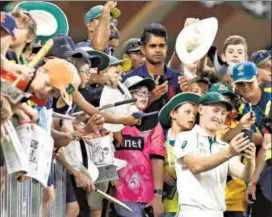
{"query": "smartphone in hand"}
{"type": "Point", "coordinates": [248, 133]}
{"type": "Point", "coordinates": [149, 212]}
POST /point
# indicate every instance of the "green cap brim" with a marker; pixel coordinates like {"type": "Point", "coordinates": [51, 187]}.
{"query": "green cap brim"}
{"type": "Point", "coordinates": [105, 60]}
{"type": "Point", "coordinates": [164, 114]}
{"type": "Point", "coordinates": [228, 93]}
{"type": "Point", "coordinates": [126, 64]}
{"type": "Point", "coordinates": [61, 19]}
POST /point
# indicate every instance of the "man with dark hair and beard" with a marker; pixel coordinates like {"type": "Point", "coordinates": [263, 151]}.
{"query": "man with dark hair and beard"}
{"type": "Point", "coordinates": [154, 47]}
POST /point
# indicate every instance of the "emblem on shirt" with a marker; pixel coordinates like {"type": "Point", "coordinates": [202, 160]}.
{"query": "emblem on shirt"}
{"type": "Point", "coordinates": [132, 143]}
{"type": "Point", "coordinates": [184, 144]}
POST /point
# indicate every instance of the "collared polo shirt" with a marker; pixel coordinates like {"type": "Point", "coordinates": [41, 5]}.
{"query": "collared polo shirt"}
{"type": "Point", "coordinates": [204, 191]}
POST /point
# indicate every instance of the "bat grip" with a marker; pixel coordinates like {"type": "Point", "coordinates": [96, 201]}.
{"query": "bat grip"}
{"type": "Point", "coordinates": [125, 102]}
{"type": "Point", "coordinates": [120, 89]}
{"type": "Point", "coordinates": [42, 53]}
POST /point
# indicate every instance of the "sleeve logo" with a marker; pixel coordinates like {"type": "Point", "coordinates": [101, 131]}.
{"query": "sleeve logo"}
{"type": "Point", "coordinates": [184, 144]}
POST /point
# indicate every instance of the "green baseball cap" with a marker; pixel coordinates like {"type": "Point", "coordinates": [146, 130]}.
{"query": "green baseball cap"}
{"type": "Point", "coordinates": [96, 11]}
{"type": "Point", "coordinates": [177, 100]}
{"type": "Point", "coordinates": [212, 98]}
{"type": "Point", "coordinates": [222, 88]}
{"type": "Point", "coordinates": [105, 59]}
{"type": "Point", "coordinates": [126, 63]}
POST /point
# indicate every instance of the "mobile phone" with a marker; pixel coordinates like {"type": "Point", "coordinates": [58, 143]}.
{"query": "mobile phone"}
{"type": "Point", "coordinates": [248, 133]}
{"type": "Point", "coordinates": [169, 190]}
{"type": "Point", "coordinates": [149, 212]}
{"type": "Point", "coordinates": [162, 79]}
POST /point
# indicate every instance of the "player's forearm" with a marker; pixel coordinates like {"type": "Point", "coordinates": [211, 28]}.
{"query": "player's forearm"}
{"type": "Point", "coordinates": [58, 134]}
{"type": "Point", "coordinates": [257, 138]}
{"type": "Point", "coordinates": [175, 63]}
{"type": "Point", "coordinates": [100, 42]}
{"type": "Point", "coordinates": [248, 170]}
{"type": "Point", "coordinates": [260, 163]}
{"type": "Point", "coordinates": [198, 164]}
{"type": "Point", "coordinates": [97, 79]}
{"type": "Point", "coordinates": [82, 103]}
{"type": "Point", "coordinates": [157, 173]}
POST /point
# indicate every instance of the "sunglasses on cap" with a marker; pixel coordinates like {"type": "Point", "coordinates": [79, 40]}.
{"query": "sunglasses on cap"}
{"type": "Point", "coordinates": [134, 45]}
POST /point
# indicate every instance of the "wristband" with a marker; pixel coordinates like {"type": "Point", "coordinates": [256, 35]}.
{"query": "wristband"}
{"type": "Point", "coordinates": [158, 191]}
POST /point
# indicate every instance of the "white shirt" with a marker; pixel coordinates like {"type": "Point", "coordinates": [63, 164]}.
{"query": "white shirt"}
{"type": "Point", "coordinates": [206, 190]}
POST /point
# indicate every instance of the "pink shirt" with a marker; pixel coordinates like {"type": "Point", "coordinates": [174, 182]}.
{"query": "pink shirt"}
{"type": "Point", "coordinates": [136, 180]}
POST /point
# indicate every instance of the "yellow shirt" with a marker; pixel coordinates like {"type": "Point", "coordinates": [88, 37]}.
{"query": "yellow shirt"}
{"type": "Point", "coordinates": [235, 188]}
{"type": "Point", "coordinates": [170, 205]}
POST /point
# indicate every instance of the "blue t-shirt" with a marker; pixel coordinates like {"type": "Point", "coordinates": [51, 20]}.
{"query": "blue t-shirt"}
{"type": "Point", "coordinates": [173, 89]}
{"type": "Point", "coordinates": [263, 108]}
{"type": "Point", "coordinates": [169, 74]}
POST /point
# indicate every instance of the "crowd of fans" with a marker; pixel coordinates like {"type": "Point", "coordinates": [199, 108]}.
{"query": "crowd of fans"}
{"type": "Point", "coordinates": [206, 151]}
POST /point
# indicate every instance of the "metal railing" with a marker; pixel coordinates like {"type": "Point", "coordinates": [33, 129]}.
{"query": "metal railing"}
{"type": "Point", "coordinates": [25, 199]}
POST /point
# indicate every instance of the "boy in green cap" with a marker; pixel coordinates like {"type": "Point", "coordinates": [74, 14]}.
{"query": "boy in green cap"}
{"type": "Point", "coordinates": [203, 161]}
{"type": "Point", "coordinates": [178, 115]}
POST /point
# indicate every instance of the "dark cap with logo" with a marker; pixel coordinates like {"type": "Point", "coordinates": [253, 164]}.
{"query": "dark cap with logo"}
{"type": "Point", "coordinates": [64, 47]}
{"type": "Point", "coordinates": [261, 56]}
{"type": "Point", "coordinates": [9, 24]}
{"type": "Point", "coordinates": [132, 45]}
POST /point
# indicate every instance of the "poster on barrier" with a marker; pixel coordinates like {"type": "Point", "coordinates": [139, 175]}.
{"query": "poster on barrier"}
{"type": "Point", "coordinates": [14, 154]}
{"type": "Point", "coordinates": [38, 149]}
{"type": "Point", "coordinates": [25, 134]}
{"type": "Point", "coordinates": [73, 156]}
{"type": "Point", "coordinates": [101, 151]}
{"type": "Point", "coordinates": [40, 155]}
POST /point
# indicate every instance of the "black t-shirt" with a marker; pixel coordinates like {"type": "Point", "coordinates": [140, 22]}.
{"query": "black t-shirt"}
{"type": "Point", "coordinates": [91, 93]}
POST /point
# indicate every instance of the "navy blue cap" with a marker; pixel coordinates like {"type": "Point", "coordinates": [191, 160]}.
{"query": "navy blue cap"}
{"type": "Point", "coordinates": [259, 57]}
{"type": "Point", "coordinates": [244, 72]}
{"type": "Point", "coordinates": [9, 24]}
{"type": "Point", "coordinates": [132, 45]}
{"type": "Point", "coordinates": [64, 47]}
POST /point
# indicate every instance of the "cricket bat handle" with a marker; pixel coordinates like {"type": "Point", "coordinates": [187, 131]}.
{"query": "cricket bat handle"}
{"type": "Point", "coordinates": [42, 53]}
